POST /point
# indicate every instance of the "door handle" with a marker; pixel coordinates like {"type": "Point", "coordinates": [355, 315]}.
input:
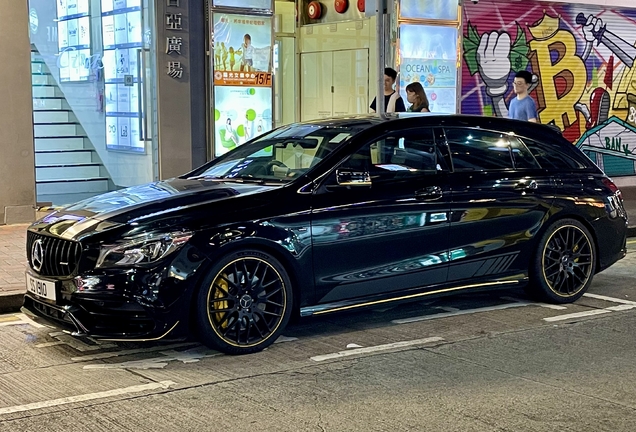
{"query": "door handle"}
{"type": "Point", "coordinates": [525, 185]}
{"type": "Point", "coordinates": [429, 193]}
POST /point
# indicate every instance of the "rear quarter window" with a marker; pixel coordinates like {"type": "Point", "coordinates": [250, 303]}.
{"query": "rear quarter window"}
{"type": "Point", "coordinates": [553, 157]}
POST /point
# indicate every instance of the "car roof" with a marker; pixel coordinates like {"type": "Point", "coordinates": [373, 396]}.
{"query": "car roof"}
{"type": "Point", "coordinates": [412, 120]}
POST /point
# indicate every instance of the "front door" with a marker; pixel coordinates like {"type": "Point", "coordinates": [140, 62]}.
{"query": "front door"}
{"type": "Point", "coordinates": [387, 237]}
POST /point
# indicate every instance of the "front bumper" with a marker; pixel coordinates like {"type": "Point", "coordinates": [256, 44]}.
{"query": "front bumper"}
{"type": "Point", "coordinates": [126, 305]}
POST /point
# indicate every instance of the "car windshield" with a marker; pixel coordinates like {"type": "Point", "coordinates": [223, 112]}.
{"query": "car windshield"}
{"type": "Point", "coordinates": [279, 156]}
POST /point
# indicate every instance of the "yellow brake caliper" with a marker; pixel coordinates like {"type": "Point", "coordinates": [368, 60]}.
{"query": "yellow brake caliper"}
{"type": "Point", "coordinates": [221, 304]}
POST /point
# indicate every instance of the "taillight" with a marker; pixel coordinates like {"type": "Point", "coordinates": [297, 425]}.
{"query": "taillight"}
{"type": "Point", "coordinates": [612, 186]}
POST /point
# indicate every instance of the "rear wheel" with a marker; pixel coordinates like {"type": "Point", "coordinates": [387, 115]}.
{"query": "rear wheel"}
{"type": "Point", "coordinates": [245, 303]}
{"type": "Point", "coordinates": [564, 263]}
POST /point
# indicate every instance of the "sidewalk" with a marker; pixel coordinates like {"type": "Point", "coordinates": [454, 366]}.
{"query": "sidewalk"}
{"type": "Point", "coordinates": [13, 256]}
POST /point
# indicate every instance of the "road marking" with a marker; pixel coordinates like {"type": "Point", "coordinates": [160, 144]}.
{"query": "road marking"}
{"type": "Point", "coordinates": [87, 397]}
{"type": "Point", "coordinates": [282, 339]}
{"type": "Point", "coordinates": [50, 344]}
{"type": "Point", "coordinates": [376, 348]}
{"type": "Point", "coordinates": [461, 312]}
{"type": "Point", "coordinates": [621, 308]}
{"type": "Point", "coordinates": [189, 356]}
{"type": "Point", "coordinates": [8, 318]}
{"type": "Point", "coordinates": [22, 319]}
{"type": "Point", "coordinates": [131, 351]}
{"type": "Point", "coordinates": [609, 299]}
{"type": "Point", "coordinates": [543, 305]}
{"type": "Point", "coordinates": [577, 315]}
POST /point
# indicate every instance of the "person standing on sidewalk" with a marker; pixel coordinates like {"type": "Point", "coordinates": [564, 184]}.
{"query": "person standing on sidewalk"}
{"type": "Point", "coordinates": [523, 106]}
{"type": "Point", "coordinates": [393, 102]}
{"type": "Point", "coordinates": [417, 97]}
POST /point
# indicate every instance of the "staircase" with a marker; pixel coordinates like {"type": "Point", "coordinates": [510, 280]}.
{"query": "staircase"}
{"type": "Point", "coordinates": [67, 168]}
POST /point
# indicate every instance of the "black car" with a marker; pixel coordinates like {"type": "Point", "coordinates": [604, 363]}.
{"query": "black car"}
{"type": "Point", "coordinates": [327, 216]}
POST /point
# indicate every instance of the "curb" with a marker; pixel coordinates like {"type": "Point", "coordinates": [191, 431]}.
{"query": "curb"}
{"type": "Point", "coordinates": [631, 231]}
{"type": "Point", "coordinates": [11, 302]}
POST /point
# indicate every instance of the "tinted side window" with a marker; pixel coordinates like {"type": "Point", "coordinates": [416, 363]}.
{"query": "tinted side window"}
{"type": "Point", "coordinates": [521, 156]}
{"type": "Point", "coordinates": [477, 150]}
{"type": "Point", "coordinates": [401, 154]}
{"type": "Point", "coordinates": [552, 157]}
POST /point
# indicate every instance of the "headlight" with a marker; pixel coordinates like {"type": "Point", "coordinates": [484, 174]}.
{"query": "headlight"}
{"type": "Point", "coordinates": [144, 249]}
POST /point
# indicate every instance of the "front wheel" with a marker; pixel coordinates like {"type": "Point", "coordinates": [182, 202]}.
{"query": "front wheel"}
{"type": "Point", "coordinates": [564, 262]}
{"type": "Point", "coordinates": [244, 303]}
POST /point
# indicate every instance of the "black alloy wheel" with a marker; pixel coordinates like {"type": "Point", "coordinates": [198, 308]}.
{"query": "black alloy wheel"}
{"type": "Point", "coordinates": [565, 262]}
{"type": "Point", "coordinates": [245, 303]}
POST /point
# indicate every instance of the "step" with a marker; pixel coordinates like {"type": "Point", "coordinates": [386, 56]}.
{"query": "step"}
{"type": "Point", "coordinates": [61, 199]}
{"type": "Point", "coordinates": [62, 157]}
{"type": "Point", "coordinates": [72, 186]}
{"type": "Point", "coordinates": [39, 68]}
{"type": "Point", "coordinates": [59, 143]}
{"type": "Point", "coordinates": [54, 130]}
{"type": "Point", "coordinates": [46, 92]}
{"type": "Point", "coordinates": [49, 104]}
{"type": "Point", "coordinates": [63, 172]}
{"type": "Point", "coordinates": [58, 116]}
{"type": "Point", "coordinates": [42, 80]}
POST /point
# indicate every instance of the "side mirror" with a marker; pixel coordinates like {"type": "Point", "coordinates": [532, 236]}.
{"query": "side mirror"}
{"type": "Point", "coordinates": [349, 177]}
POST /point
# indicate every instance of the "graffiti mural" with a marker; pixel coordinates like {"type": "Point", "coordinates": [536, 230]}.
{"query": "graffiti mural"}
{"type": "Point", "coordinates": [582, 61]}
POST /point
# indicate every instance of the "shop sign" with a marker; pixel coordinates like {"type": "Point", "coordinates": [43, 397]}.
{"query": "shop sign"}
{"type": "Point", "coordinates": [174, 43]}
{"type": "Point", "coordinates": [242, 50]}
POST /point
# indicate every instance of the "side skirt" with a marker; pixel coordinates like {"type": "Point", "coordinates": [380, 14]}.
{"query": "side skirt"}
{"type": "Point", "coordinates": [376, 300]}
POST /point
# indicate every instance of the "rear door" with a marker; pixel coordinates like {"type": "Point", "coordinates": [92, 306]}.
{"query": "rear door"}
{"type": "Point", "coordinates": [500, 197]}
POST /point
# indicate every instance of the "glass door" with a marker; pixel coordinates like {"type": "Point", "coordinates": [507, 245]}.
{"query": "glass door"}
{"type": "Point", "coordinates": [284, 80]}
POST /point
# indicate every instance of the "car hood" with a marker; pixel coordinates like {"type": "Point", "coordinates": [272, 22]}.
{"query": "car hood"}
{"type": "Point", "coordinates": [134, 204]}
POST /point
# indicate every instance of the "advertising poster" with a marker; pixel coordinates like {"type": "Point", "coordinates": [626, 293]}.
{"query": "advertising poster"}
{"type": "Point", "coordinates": [249, 4]}
{"type": "Point", "coordinates": [240, 114]}
{"type": "Point", "coordinates": [242, 50]}
{"type": "Point", "coordinates": [428, 55]}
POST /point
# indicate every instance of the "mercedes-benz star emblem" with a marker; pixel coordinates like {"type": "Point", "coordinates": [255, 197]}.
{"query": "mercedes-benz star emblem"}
{"type": "Point", "coordinates": [37, 255]}
{"type": "Point", "coordinates": [246, 301]}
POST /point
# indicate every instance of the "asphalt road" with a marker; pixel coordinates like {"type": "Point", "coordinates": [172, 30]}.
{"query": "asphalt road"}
{"type": "Point", "coordinates": [490, 362]}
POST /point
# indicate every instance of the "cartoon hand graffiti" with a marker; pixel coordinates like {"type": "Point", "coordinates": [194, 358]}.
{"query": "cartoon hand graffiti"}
{"type": "Point", "coordinates": [591, 26]}
{"type": "Point", "coordinates": [595, 30]}
{"type": "Point", "coordinates": [493, 60]}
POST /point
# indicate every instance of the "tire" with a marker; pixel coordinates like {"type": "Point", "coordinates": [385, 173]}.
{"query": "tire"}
{"type": "Point", "coordinates": [564, 262]}
{"type": "Point", "coordinates": [242, 315]}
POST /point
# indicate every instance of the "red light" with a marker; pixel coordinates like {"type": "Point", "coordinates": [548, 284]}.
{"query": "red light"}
{"type": "Point", "coordinates": [612, 187]}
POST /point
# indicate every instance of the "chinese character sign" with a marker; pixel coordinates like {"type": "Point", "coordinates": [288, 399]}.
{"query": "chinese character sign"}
{"type": "Point", "coordinates": [242, 50]}
{"type": "Point", "coordinates": [173, 45]}
{"type": "Point", "coordinates": [174, 21]}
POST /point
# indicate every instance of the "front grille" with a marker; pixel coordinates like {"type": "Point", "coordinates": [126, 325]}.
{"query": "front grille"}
{"type": "Point", "coordinates": [59, 257]}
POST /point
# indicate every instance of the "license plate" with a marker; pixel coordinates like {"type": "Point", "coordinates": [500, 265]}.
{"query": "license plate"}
{"type": "Point", "coordinates": [40, 287]}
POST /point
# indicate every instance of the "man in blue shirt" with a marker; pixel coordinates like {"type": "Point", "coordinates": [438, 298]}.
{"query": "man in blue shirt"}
{"type": "Point", "coordinates": [522, 107]}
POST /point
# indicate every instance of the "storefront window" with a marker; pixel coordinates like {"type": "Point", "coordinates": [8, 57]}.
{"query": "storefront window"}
{"type": "Point", "coordinates": [91, 63]}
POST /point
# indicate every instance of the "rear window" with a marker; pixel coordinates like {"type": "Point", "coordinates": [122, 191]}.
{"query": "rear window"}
{"type": "Point", "coordinates": [478, 150]}
{"type": "Point", "coordinates": [552, 157]}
